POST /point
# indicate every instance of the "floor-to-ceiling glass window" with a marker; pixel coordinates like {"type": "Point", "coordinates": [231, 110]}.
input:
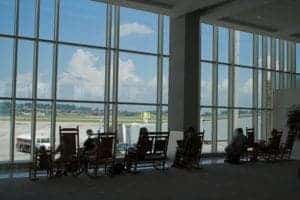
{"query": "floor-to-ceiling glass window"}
{"type": "Point", "coordinates": [298, 65]}
{"type": "Point", "coordinates": [239, 73]}
{"type": "Point", "coordinates": [79, 63]}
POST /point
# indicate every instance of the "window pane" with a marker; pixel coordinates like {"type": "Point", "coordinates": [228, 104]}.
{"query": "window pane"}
{"type": "Point", "coordinates": [243, 48]}
{"type": "Point", "coordinates": [287, 80]}
{"type": "Point", "coordinates": [138, 30]}
{"type": "Point", "coordinates": [223, 44]}
{"type": "Point", "coordinates": [206, 83]}
{"type": "Point", "coordinates": [268, 52]}
{"type": "Point", "coordinates": [25, 69]}
{"type": "Point", "coordinates": [206, 41]}
{"type": "Point", "coordinates": [7, 16]}
{"type": "Point", "coordinates": [165, 97]}
{"type": "Point", "coordinates": [130, 119]}
{"type": "Point", "coordinates": [242, 119]}
{"type": "Point", "coordinates": [86, 116]}
{"type": "Point", "coordinates": [298, 57]}
{"type": "Point", "coordinates": [277, 80]}
{"type": "Point", "coordinates": [285, 55]}
{"type": "Point", "coordinates": [206, 126]}
{"type": "Point", "coordinates": [81, 73]}
{"type": "Point", "coordinates": [259, 87]}
{"type": "Point", "coordinates": [45, 70]}
{"type": "Point", "coordinates": [223, 85]}
{"type": "Point", "coordinates": [166, 35]}
{"type": "Point", "coordinates": [260, 51]}
{"type": "Point", "coordinates": [5, 109]}
{"type": "Point", "coordinates": [27, 15]}
{"type": "Point", "coordinates": [43, 123]}
{"type": "Point", "coordinates": [222, 129]}
{"type": "Point", "coordinates": [277, 54]}
{"type": "Point", "coordinates": [243, 87]}
{"type": "Point", "coordinates": [6, 66]}
{"type": "Point", "coordinates": [165, 115]}
{"type": "Point", "coordinates": [137, 78]}
{"type": "Point", "coordinates": [297, 81]}
{"type": "Point", "coordinates": [47, 19]}
{"type": "Point", "coordinates": [259, 124]}
{"type": "Point", "coordinates": [23, 130]}
{"type": "Point", "coordinates": [83, 21]}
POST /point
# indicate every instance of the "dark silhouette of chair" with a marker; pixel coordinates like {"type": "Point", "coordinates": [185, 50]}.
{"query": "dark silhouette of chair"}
{"type": "Point", "coordinates": [42, 161]}
{"type": "Point", "coordinates": [105, 152]}
{"type": "Point", "coordinates": [195, 151]}
{"type": "Point", "coordinates": [250, 146]}
{"type": "Point", "coordinates": [152, 150]}
{"type": "Point", "coordinates": [272, 150]}
{"type": "Point", "coordinates": [188, 153]}
{"type": "Point", "coordinates": [68, 150]}
{"type": "Point", "coordinates": [287, 147]}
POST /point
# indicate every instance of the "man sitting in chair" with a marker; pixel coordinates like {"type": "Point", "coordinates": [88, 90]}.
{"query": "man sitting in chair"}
{"type": "Point", "coordinates": [139, 150]}
{"type": "Point", "coordinates": [237, 147]}
{"type": "Point", "coordinates": [187, 154]}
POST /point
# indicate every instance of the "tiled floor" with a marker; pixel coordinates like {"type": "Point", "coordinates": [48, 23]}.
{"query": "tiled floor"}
{"type": "Point", "coordinates": [259, 181]}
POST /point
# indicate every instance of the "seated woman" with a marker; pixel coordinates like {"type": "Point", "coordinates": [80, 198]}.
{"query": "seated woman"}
{"type": "Point", "coordinates": [237, 147]}
{"type": "Point", "coordinates": [139, 151]}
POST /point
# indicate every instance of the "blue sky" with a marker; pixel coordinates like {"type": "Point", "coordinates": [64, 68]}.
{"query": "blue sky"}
{"type": "Point", "coordinates": [85, 22]}
{"type": "Point", "coordinates": [81, 70]}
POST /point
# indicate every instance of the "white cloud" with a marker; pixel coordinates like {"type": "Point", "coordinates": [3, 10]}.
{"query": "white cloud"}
{"type": "Point", "coordinates": [24, 85]}
{"type": "Point", "coordinates": [132, 86]}
{"type": "Point", "coordinates": [247, 87]}
{"type": "Point", "coordinates": [135, 28]}
{"type": "Point", "coordinates": [83, 78]}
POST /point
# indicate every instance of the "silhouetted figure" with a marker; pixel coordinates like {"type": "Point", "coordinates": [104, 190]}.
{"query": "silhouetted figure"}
{"type": "Point", "coordinates": [138, 152]}
{"type": "Point", "coordinates": [44, 160]}
{"type": "Point", "coordinates": [237, 147]}
{"type": "Point", "coordinates": [188, 150]}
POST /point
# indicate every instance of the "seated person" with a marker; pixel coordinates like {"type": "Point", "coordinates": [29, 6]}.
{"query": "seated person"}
{"type": "Point", "coordinates": [89, 149]}
{"type": "Point", "coordinates": [273, 141]}
{"type": "Point", "coordinates": [90, 144]}
{"type": "Point", "coordinates": [44, 160]}
{"type": "Point", "coordinates": [187, 152]}
{"type": "Point", "coordinates": [139, 150]}
{"type": "Point", "coordinates": [237, 147]}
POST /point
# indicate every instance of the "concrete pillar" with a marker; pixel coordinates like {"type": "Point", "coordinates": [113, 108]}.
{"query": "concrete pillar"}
{"type": "Point", "coordinates": [184, 90]}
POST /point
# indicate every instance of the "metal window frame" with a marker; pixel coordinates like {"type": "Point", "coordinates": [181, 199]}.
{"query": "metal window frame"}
{"type": "Point", "coordinates": [231, 78]}
{"type": "Point", "coordinates": [54, 73]}
{"type": "Point", "coordinates": [214, 91]}
{"type": "Point", "coordinates": [14, 87]}
{"type": "Point", "coordinates": [116, 66]}
{"type": "Point", "coordinates": [112, 9]}
{"type": "Point", "coordinates": [255, 84]}
{"type": "Point", "coordinates": [159, 78]}
{"type": "Point", "coordinates": [268, 69]}
{"type": "Point", "coordinates": [35, 76]}
{"type": "Point", "coordinates": [107, 66]}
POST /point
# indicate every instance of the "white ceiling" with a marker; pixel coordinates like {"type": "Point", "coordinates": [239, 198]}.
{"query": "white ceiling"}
{"type": "Point", "coordinates": [279, 18]}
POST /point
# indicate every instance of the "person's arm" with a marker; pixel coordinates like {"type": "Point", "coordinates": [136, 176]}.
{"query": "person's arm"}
{"type": "Point", "coordinates": [58, 149]}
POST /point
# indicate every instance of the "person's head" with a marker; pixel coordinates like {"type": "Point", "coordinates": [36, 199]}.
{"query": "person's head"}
{"type": "Point", "coordinates": [143, 132]}
{"type": "Point", "coordinates": [238, 132]}
{"type": "Point", "coordinates": [191, 129]}
{"type": "Point", "coordinates": [189, 132]}
{"type": "Point", "coordinates": [42, 149]}
{"type": "Point", "coordinates": [89, 132]}
{"type": "Point", "coordinates": [273, 132]}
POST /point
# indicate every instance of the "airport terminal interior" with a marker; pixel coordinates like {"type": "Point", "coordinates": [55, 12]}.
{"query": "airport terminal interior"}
{"type": "Point", "coordinates": [149, 99]}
